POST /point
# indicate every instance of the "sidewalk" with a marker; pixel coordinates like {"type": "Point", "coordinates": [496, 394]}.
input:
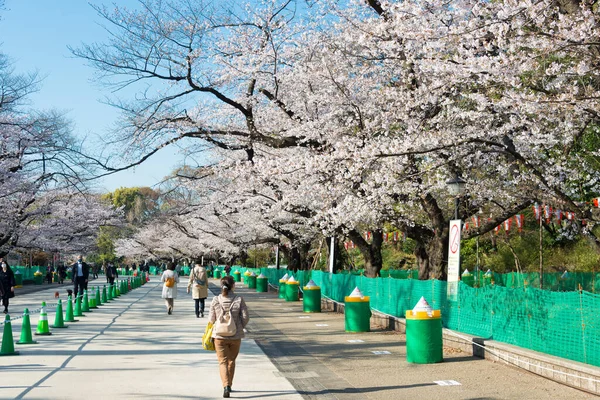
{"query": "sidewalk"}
{"type": "Point", "coordinates": [130, 348]}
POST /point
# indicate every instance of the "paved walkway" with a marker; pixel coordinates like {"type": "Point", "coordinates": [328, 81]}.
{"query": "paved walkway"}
{"type": "Point", "coordinates": [130, 348]}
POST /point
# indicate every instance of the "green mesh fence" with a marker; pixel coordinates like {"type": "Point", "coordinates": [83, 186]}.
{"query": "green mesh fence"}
{"type": "Point", "coordinates": [556, 282]}
{"type": "Point", "coordinates": [564, 324]}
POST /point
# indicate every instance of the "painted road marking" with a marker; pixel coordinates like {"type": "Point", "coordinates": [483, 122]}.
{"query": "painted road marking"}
{"type": "Point", "coordinates": [380, 352]}
{"type": "Point", "coordinates": [447, 383]}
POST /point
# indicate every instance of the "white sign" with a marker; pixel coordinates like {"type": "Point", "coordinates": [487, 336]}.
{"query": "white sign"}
{"type": "Point", "coordinates": [304, 317]}
{"type": "Point", "coordinates": [381, 352]}
{"type": "Point", "coordinates": [454, 251]}
{"type": "Point", "coordinates": [356, 341]}
{"type": "Point", "coordinates": [321, 325]}
{"type": "Point", "coordinates": [454, 257]}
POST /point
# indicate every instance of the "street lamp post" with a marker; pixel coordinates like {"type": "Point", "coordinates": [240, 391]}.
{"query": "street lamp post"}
{"type": "Point", "coordinates": [456, 187]}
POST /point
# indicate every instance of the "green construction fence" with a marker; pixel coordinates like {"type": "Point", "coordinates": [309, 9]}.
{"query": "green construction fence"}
{"type": "Point", "coordinates": [564, 324]}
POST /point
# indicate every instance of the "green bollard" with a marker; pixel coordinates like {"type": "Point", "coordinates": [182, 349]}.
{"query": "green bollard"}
{"type": "Point", "coordinates": [262, 284]}
{"type": "Point", "coordinates": [292, 288]}
{"type": "Point", "coordinates": [424, 344]}
{"type": "Point", "coordinates": [252, 281]}
{"type": "Point", "coordinates": [467, 278]}
{"type": "Point", "coordinates": [26, 337]}
{"type": "Point", "coordinates": [487, 278]}
{"type": "Point", "coordinates": [311, 299]}
{"type": "Point", "coordinates": [237, 276]}
{"type": "Point", "coordinates": [282, 282]}
{"type": "Point", "coordinates": [357, 312]}
{"type": "Point", "coordinates": [69, 317]}
{"type": "Point", "coordinates": [59, 321]}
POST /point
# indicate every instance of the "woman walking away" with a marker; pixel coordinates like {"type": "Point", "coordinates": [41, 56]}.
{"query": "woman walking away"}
{"type": "Point", "coordinates": [227, 343]}
{"type": "Point", "coordinates": [7, 284]}
{"type": "Point", "coordinates": [170, 280]}
{"type": "Point", "coordinates": [199, 284]}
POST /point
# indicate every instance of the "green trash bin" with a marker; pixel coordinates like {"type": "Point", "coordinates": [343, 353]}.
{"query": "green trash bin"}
{"type": "Point", "coordinates": [424, 344]}
{"type": "Point", "coordinates": [357, 312]}
{"type": "Point", "coordinates": [262, 284]}
{"type": "Point", "coordinates": [237, 276]}
{"type": "Point", "coordinates": [292, 288]}
{"type": "Point", "coordinates": [18, 279]}
{"type": "Point", "coordinates": [217, 274]}
{"type": "Point", "coordinates": [311, 299]}
{"type": "Point", "coordinates": [252, 281]}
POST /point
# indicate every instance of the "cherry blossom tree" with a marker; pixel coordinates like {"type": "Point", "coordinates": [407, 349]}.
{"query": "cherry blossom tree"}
{"type": "Point", "coordinates": [42, 175]}
{"type": "Point", "coordinates": [355, 120]}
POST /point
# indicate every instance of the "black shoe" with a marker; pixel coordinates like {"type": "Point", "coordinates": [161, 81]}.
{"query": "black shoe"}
{"type": "Point", "coordinates": [202, 314]}
{"type": "Point", "coordinates": [197, 315]}
{"type": "Point", "coordinates": [226, 392]}
{"type": "Point", "coordinates": [5, 311]}
{"type": "Point", "coordinates": [229, 388]}
{"type": "Point", "coordinates": [169, 312]}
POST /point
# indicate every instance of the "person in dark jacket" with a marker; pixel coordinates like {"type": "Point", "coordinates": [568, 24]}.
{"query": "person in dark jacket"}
{"type": "Point", "coordinates": [62, 273]}
{"type": "Point", "coordinates": [111, 273]}
{"type": "Point", "coordinates": [81, 273]}
{"type": "Point", "coordinates": [7, 284]}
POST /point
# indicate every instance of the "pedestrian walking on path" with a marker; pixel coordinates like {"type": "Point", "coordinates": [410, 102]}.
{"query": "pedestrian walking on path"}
{"type": "Point", "coordinates": [7, 284]}
{"type": "Point", "coordinates": [199, 284]}
{"type": "Point", "coordinates": [170, 279]}
{"type": "Point", "coordinates": [230, 315]}
{"type": "Point", "coordinates": [111, 273]}
{"type": "Point", "coordinates": [80, 274]}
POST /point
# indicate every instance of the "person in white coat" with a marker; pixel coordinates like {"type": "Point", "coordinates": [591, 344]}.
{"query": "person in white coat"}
{"type": "Point", "coordinates": [170, 279]}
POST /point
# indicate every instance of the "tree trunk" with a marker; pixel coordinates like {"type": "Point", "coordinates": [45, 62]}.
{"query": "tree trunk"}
{"type": "Point", "coordinates": [298, 257]}
{"type": "Point", "coordinates": [294, 259]}
{"type": "Point", "coordinates": [305, 262]}
{"type": "Point", "coordinates": [370, 252]}
{"type": "Point", "coordinates": [432, 257]}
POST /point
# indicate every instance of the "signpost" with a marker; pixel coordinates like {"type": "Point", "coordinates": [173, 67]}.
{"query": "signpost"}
{"type": "Point", "coordinates": [332, 255]}
{"type": "Point", "coordinates": [454, 258]}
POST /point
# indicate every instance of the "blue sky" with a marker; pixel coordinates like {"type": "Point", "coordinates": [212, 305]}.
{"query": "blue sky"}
{"type": "Point", "coordinates": [35, 35]}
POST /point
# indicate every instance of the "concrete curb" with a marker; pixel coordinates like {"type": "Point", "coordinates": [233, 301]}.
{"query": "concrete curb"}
{"type": "Point", "coordinates": [571, 373]}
